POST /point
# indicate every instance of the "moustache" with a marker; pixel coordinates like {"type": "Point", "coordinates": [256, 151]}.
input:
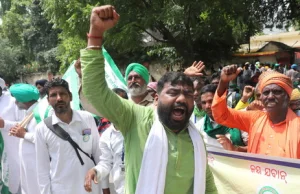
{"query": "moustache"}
{"type": "Point", "coordinates": [184, 105]}
{"type": "Point", "coordinates": [273, 100]}
{"type": "Point", "coordinates": [60, 103]}
{"type": "Point", "coordinates": [134, 84]}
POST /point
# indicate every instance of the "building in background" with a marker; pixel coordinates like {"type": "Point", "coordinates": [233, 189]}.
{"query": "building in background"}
{"type": "Point", "coordinates": [282, 48]}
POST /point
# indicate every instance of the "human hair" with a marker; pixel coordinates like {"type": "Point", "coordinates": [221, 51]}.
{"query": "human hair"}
{"type": "Point", "coordinates": [49, 72]}
{"type": "Point", "coordinates": [215, 75]}
{"type": "Point", "coordinates": [41, 82]}
{"type": "Point", "coordinates": [173, 78]}
{"type": "Point", "coordinates": [120, 91]}
{"type": "Point", "coordinates": [56, 82]}
{"type": "Point", "coordinates": [198, 79]}
{"type": "Point", "coordinates": [210, 88]}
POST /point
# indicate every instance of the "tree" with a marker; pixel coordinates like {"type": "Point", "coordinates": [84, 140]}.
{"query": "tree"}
{"type": "Point", "coordinates": [29, 32]}
{"type": "Point", "coordinates": [10, 58]}
{"type": "Point", "coordinates": [194, 29]}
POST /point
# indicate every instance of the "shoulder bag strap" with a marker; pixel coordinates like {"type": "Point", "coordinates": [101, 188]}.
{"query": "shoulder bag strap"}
{"type": "Point", "coordinates": [60, 132]}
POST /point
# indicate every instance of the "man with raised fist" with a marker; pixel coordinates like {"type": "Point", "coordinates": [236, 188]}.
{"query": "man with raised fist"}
{"type": "Point", "coordinates": [274, 132]}
{"type": "Point", "coordinates": [164, 152]}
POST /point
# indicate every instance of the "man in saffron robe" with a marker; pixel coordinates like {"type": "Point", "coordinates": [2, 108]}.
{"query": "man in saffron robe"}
{"type": "Point", "coordinates": [274, 132]}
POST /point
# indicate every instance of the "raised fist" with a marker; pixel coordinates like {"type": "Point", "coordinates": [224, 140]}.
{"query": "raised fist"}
{"type": "Point", "coordinates": [230, 72]}
{"type": "Point", "coordinates": [247, 93]}
{"type": "Point", "coordinates": [102, 19]}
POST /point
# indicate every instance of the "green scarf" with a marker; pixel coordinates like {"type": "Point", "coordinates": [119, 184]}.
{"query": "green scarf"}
{"type": "Point", "coordinates": [198, 113]}
{"type": "Point", "coordinates": [235, 134]}
{"type": "Point", "coordinates": [4, 189]}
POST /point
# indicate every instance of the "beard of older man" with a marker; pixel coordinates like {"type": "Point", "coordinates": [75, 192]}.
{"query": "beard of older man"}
{"type": "Point", "coordinates": [135, 89]}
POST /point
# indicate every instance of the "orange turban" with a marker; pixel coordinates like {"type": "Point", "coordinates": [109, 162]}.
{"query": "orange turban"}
{"type": "Point", "coordinates": [273, 77]}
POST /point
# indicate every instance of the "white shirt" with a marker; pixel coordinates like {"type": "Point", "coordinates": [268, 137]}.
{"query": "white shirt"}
{"type": "Point", "coordinates": [10, 158]}
{"type": "Point", "coordinates": [209, 141]}
{"type": "Point", "coordinates": [29, 182]}
{"type": "Point", "coordinates": [194, 118]}
{"type": "Point", "coordinates": [64, 174]}
{"type": "Point", "coordinates": [111, 146]}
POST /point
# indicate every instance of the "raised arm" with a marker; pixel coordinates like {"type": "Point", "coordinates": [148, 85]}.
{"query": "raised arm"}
{"type": "Point", "coordinates": [119, 111]}
{"type": "Point", "coordinates": [225, 115]}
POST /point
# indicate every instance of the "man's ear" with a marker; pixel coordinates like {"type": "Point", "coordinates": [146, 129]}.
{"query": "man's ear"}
{"type": "Point", "coordinates": [156, 100]}
{"type": "Point", "coordinates": [71, 96]}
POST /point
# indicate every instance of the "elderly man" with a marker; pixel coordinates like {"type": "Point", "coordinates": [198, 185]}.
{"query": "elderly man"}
{"type": "Point", "coordinates": [274, 132]}
{"type": "Point", "coordinates": [164, 153]}
{"type": "Point", "coordinates": [10, 166]}
{"type": "Point", "coordinates": [26, 99]}
{"type": "Point", "coordinates": [137, 77]}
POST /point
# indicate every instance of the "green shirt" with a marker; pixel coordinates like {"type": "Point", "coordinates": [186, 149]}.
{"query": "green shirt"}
{"type": "Point", "coordinates": [135, 122]}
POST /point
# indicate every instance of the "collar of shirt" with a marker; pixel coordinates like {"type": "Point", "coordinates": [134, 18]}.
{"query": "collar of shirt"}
{"type": "Point", "coordinates": [213, 123]}
{"type": "Point", "coordinates": [114, 128]}
{"type": "Point", "coordinates": [148, 99]}
{"type": "Point", "coordinates": [75, 117]}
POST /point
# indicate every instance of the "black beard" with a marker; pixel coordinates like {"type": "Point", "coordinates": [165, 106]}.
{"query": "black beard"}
{"type": "Point", "coordinates": [61, 110]}
{"type": "Point", "coordinates": [164, 113]}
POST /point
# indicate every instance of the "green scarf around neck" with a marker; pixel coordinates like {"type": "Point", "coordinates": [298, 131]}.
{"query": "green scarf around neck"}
{"type": "Point", "coordinates": [198, 113]}
{"type": "Point", "coordinates": [235, 134]}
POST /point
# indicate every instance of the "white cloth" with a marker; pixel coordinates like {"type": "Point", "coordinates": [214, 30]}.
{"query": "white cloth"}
{"type": "Point", "coordinates": [212, 142]}
{"type": "Point", "coordinates": [29, 182]}
{"type": "Point", "coordinates": [111, 146]}
{"type": "Point", "coordinates": [209, 141]}
{"type": "Point", "coordinates": [64, 174]}
{"type": "Point", "coordinates": [153, 171]}
{"type": "Point", "coordinates": [194, 118]}
{"type": "Point", "coordinates": [10, 158]}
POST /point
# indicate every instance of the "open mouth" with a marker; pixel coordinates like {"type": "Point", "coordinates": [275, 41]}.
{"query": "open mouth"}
{"type": "Point", "coordinates": [178, 113]}
{"type": "Point", "coordinates": [271, 104]}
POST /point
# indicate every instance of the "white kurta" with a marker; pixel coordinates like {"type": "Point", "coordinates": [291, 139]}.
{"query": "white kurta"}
{"type": "Point", "coordinates": [111, 146]}
{"type": "Point", "coordinates": [29, 182]}
{"type": "Point", "coordinates": [209, 141]}
{"type": "Point", "coordinates": [10, 158]}
{"type": "Point", "coordinates": [64, 174]}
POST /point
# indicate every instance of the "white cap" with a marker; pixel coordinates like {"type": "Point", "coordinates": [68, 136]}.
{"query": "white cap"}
{"type": "Point", "coordinates": [2, 83]}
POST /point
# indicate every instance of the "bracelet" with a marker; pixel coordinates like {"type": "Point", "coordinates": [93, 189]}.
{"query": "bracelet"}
{"type": "Point", "coordinates": [95, 37]}
{"type": "Point", "coordinates": [93, 47]}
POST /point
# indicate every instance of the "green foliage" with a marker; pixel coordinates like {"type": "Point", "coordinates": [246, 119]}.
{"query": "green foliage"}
{"type": "Point", "coordinates": [29, 32]}
{"type": "Point", "coordinates": [172, 31]}
{"type": "Point", "coordinates": [181, 31]}
{"type": "Point", "coordinates": [69, 51]}
{"type": "Point", "coordinates": [10, 58]}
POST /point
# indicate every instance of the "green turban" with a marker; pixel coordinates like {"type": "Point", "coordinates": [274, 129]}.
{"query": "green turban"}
{"type": "Point", "coordinates": [24, 92]}
{"type": "Point", "coordinates": [138, 68]}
